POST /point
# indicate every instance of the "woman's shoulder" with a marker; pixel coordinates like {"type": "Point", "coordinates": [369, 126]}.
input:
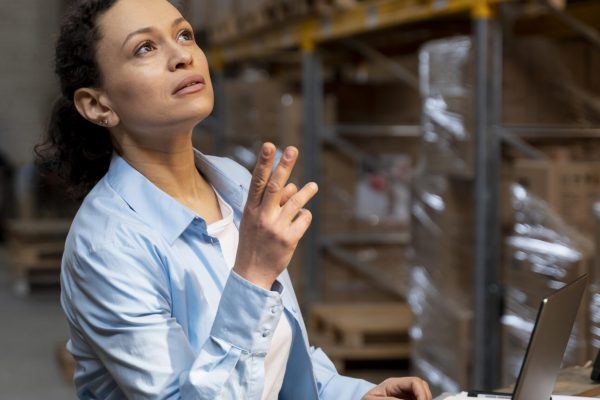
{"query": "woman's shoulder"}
{"type": "Point", "coordinates": [106, 221]}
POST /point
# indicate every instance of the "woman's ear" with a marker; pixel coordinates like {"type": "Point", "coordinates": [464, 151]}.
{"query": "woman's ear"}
{"type": "Point", "coordinates": [94, 107]}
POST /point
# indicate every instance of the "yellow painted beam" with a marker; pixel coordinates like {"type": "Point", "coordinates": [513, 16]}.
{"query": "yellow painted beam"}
{"type": "Point", "coordinates": [482, 10]}
{"type": "Point", "coordinates": [365, 17]}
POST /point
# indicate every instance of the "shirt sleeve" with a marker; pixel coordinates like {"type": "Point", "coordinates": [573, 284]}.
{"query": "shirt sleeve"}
{"type": "Point", "coordinates": [119, 299]}
{"type": "Point", "coordinates": [330, 384]}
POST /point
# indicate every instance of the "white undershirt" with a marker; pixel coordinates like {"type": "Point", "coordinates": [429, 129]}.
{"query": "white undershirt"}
{"type": "Point", "coordinates": [278, 354]}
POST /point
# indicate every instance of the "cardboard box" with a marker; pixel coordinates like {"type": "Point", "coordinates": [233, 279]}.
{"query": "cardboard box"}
{"type": "Point", "coordinates": [389, 103]}
{"type": "Point", "coordinates": [570, 189]}
{"type": "Point", "coordinates": [262, 110]}
{"type": "Point", "coordinates": [594, 76]}
{"type": "Point", "coordinates": [541, 78]}
{"type": "Point", "coordinates": [336, 202]}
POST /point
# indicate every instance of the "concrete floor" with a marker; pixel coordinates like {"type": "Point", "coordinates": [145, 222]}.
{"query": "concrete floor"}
{"type": "Point", "coordinates": [32, 327]}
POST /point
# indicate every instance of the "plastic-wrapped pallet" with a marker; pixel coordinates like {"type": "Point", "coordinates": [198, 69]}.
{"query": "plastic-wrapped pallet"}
{"type": "Point", "coordinates": [595, 290]}
{"type": "Point", "coordinates": [542, 254]}
{"type": "Point", "coordinates": [447, 117]}
{"type": "Point", "coordinates": [440, 333]}
{"type": "Point", "coordinates": [440, 294]}
{"type": "Point", "coordinates": [442, 224]}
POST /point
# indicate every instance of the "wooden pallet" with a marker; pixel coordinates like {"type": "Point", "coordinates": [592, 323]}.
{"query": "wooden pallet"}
{"type": "Point", "coordinates": [27, 230]}
{"type": "Point", "coordinates": [361, 331]}
{"type": "Point", "coordinates": [35, 251]}
{"type": "Point", "coordinates": [65, 361]}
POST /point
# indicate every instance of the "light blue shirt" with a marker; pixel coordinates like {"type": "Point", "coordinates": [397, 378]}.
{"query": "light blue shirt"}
{"type": "Point", "coordinates": [155, 313]}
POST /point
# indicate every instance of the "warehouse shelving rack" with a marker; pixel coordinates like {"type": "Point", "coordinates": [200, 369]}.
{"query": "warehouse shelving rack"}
{"type": "Point", "coordinates": [307, 34]}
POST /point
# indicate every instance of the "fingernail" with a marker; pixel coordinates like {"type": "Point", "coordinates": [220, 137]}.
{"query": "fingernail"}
{"type": "Point", "coordinates": [266, 150]}
{"type": "Point", "coordinates": [289, 153]}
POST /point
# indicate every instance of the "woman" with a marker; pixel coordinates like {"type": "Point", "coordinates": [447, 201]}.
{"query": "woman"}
{"type": "Point", "coordinates": [174, 281]}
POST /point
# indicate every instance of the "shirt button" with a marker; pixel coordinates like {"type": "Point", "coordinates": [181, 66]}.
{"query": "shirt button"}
{"type": "Point", "coordinates": [274, 309]}
{"type": "Point", "coordinates": [266, 333]}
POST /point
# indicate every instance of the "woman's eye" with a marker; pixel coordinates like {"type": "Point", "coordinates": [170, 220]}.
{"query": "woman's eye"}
{"type": "Point", "coordinates": [144, 48]}
{"type": "Point", "coordinates": [185, 35]}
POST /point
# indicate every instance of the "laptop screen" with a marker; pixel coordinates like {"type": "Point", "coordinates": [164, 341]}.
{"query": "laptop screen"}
{"type": "Point", "coordinates": [546, 347]}
{"type": "Point", "coordinates": [548, 341]}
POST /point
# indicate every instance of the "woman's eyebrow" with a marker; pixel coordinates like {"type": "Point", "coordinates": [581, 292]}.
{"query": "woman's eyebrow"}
{"type": "Point", "coordinates": [149, 29]}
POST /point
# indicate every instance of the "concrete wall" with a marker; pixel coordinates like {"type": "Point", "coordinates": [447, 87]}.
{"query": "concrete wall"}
{"type": "Point", "coordinates": [28, 29]}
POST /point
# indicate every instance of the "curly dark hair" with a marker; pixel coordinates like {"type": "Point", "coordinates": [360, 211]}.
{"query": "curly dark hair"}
{"type": "Point", "coordinates": [74, 148]}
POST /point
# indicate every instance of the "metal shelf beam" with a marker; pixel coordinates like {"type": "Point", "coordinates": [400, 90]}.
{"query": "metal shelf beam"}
{"type": "Point", "coordinates": [381, 238]}
{"type": "Point", "coordinates": [576, 25]}
{"type": "Point", "coordinates": [552, 132]}
{"type": "Point", "coordinates": [394, 68]}
{"type": "Point", "coordinates": [365, 269]}
{"type": "Point", "coordinates": [312, 88]}
{"type": "Point", "coordinates": [487, 292]}
{"type": "Point", "coordinates": [362, 130]}
{"type": "Point", "coordinates": [364, 17]}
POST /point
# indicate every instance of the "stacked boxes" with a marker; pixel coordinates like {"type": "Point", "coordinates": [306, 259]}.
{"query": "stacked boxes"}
{"type": "Point", "coordinates": [563, 185]}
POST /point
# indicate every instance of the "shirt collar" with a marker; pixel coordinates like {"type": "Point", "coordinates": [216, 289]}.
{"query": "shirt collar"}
{"type": "Point", "coordinates": [160, 210]}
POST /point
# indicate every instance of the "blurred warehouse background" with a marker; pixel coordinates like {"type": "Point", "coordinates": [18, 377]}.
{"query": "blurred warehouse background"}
{"type": "Point", "coordinates": [456, 144]}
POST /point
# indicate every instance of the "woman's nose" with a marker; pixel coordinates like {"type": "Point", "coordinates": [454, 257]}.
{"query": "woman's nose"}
{"type": "Point", "coordinates": [180, 58]}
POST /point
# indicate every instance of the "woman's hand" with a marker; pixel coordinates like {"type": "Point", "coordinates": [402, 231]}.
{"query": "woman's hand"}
{"type": "Point", "coordinates": [409, 388]}
{"type": "Point", "coordinates": [274, 218]}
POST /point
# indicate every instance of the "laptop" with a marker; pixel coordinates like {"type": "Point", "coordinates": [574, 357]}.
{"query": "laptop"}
{"type": "Point", "coordinates": [547, 345]}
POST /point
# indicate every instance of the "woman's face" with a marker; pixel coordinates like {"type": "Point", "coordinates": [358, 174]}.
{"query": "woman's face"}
{"type": "Point", "coordinates": [155, 77]}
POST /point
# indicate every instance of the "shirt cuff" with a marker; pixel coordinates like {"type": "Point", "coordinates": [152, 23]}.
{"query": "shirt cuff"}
{"type": "Point", "coordinates": [248, 314]}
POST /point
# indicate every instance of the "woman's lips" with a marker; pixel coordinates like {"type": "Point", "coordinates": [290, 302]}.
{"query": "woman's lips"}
{"type": "Point", "coordinates": [191, 84]}
{"type": "Point", "coordinates": [192, 88]}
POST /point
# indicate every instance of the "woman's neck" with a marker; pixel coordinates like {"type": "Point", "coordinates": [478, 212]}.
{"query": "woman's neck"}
{"type": "Point", "coordinates": [174, 172]}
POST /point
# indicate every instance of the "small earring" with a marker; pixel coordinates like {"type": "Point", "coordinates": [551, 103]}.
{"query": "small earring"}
{"type": "Point", "coordinates": [105, 122]}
